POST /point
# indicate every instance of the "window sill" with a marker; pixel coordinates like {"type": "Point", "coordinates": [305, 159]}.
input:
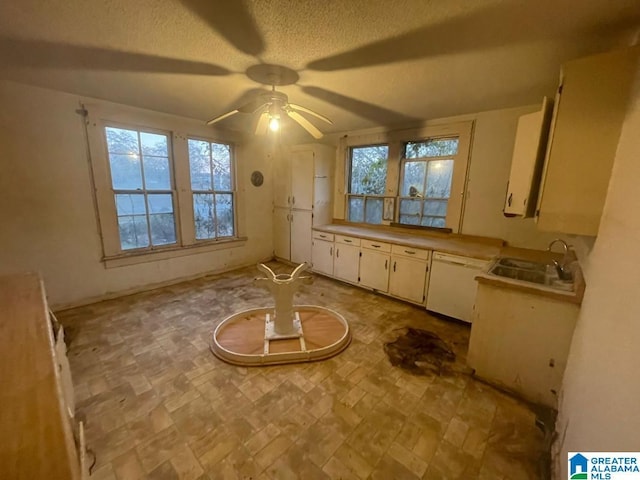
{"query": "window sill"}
{"type": "Point", "coordinates": [134, 258]}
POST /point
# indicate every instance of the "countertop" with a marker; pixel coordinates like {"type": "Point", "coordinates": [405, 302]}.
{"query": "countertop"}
{"type": "Point", "coordinates": [483, 248]}
{"type": "Point", "coordinates": [35, 436]}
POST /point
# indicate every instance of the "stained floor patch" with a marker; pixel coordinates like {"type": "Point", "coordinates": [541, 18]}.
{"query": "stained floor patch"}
{"type": "Point", "coordinates": [420, 352]}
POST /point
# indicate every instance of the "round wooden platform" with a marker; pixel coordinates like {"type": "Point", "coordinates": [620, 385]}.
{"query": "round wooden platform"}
{"type": "Point", "coordinates": [240, 338]}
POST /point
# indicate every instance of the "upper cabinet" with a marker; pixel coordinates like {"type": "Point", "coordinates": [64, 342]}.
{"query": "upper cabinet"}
{"type": "Point", "coordinates": [589, 110]}
{"type": "Point", "coordinates": [527, 161]}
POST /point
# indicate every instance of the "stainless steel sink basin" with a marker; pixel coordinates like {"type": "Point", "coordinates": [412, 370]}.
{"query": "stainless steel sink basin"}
{"type": "Point", "coordinates": [529, 272]}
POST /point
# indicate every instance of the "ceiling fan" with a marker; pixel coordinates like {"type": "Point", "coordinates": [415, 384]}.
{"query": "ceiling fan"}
{"type": "Point", "coordinates": [274, 106]}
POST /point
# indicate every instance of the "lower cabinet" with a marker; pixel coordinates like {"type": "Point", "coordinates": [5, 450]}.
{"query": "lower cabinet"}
{"type": "Point", "coordinates": [374, 265]}
{"type": "Point", "coordinates": [409, 273]}
{"type": "Point", "coordinates": [322, 253]}
{"type": "Point", "coordinates": [346, 260]}
{"type": "Point", "coordinates": [301, 221]}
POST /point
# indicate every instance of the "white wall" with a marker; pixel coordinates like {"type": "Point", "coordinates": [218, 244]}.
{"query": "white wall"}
{"type": "Point", "coordinates": [600, 404]}
{"type": "Point", "coordinates": [47, 213]}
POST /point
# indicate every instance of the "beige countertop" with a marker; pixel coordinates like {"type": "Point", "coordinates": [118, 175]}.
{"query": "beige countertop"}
{"type": "Point", "coordinates": [475, 247]}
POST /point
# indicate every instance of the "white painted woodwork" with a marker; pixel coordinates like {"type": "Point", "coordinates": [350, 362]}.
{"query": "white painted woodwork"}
{"type": "Point", "coordinates": [322, 256]}
{"type": "Point", "coordinates": [346, 261]}
{"type": "Point", "coordinates": [452, 285]}
{"type": "Point", "coordinates": [300, 224]}
{"type": "Point", "coordinates": [527, 160]}
{"type": "Point", "coordinates": [407, 278]}
{"type": "Point", "coordinates": [410, 252]}
{"type": "Point", "coordinates": [374, 269]}
{"type": "Point", "coordinates": [520, 341]}
{"type": "Point", "coordinates": [588, 118]}
{"type": "Point", "coordinates": [375, 245]}
{"type": "Point", "coordinates": [302, 188]}
{"type": "Point", "coordinates": [281, 233]}
{"type": "Point", "coordinates": [327, 237]}
{"type": "Point", "coordinates": [348, 240]}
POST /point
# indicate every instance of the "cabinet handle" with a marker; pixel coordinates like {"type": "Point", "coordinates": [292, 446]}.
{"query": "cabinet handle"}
{"type": "Point", "coordinates": [331, 251]}
{"type": "Point", "coordinates": [293, 200]}
{"type": "Point", "coordinates": [386, 264]}
{"type": "Point", "coordinates": [347, 240]}
{"type": "Point", "coordinates": [323, 236]}
{"type": "Point", "coordinates": [288, 199]}
{"type": "Point", "coordinates": [394, 266]}
{"type": "Point", "coordinates": [510, 199]}
{"type": "Point", "coordinates": [337, 253]}
{"type": "Point", "coordinates": [375, 246]}
{"type": "Point", "coordinates": [409, 252]}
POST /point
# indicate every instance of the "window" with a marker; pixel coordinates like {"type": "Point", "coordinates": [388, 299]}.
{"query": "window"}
{"type": "Point", "coordinates": [142, 185]}
{"type": "Point", "coordinates": [212, 186]}
{"type": "Point", "coordinates": [427, 173]}
{"type": "Point", "coordinates": [367, 183]}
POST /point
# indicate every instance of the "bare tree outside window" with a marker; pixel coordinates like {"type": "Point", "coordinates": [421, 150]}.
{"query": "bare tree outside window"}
{"type": "Point", "coordinates": [367, 183]}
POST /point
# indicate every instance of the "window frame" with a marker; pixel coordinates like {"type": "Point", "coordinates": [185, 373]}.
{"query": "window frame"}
{"type": "Point", "coordinates": [364, 196]}
{"type": "Point", "coordinates": [396, 139]}
{"type": "Point", "coordinates": [97, 116]}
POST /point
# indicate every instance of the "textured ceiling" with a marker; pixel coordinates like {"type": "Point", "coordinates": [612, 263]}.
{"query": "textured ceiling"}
{"type": "Point", "coordinates": [362, 63]}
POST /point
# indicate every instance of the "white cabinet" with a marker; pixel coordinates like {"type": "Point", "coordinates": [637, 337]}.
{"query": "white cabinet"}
{"type": "Point", "coordinates": [302, 198]}
{"type": "Point", "coordinates": [374, 265]}
{"type": "Point", "coordinates": [322, 253]}
{"type": "Point", "coordinates": [588, 115]}
{"type": "Point", "coordinates": [527, 161]}
{"type": "Point", "coordinates": [346, 259]}
{"type": "Point", "coordinates": [409, 273]}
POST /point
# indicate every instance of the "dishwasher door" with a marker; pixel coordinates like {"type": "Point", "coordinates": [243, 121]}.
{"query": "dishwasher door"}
{"type": "Point", "coordinates": [452, 287]}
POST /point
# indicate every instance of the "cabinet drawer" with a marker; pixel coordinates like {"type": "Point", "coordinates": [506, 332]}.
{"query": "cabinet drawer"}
{"type": "Point", "coordinates": [323, 236]}
{"type": "Point", "coordinates": [347, 240]}
{"type": "Point", "coordinates": [410, 252]}
{"type": "Point", "coordinates": [379, 246]}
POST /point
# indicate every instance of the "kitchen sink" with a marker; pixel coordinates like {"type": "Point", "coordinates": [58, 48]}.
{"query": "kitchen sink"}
{"type": "Point", "coordinates": [529, 272]}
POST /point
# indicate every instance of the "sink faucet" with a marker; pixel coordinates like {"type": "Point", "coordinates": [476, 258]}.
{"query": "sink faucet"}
{"type": "Point", "coordinates": [561, 267]}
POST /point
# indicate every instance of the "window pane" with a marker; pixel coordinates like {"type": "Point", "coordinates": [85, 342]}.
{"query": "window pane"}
{"type": "Point", "coordinates": [439, 174]}
{"type": "Point", "coordinates": [156, 173]}
{"type": "Point", "coordinates": [433, 222]}
{"type": "Point", "coordinates": [356, 209]}
{"type": "Point", "coordinates": [203, 214]}
{"type": "Point", "coordinates": [435, 208]}
{"type": "Point", "coordinates": [133, 232]}
{"type": "Point", "coordinates": [154, 144]}
{"type": "Point", "coordinates": [436, 147]}
{"type": "Point", "coordinates": [125, 172]}
{"type": "Point", "coordinates": [410, 207]}
{"type": "Point", "coordinates": [221, 157]}
{"type": "Point", "coordinates": [122, 141]}
{"type": "Point", "coordinates": [130, 204]}
{"type": "Point", "coordinates": [410, 219]}
{"type": "Point", "coordinates": [160, 203]}
{"type": "Point", "coordinates": [200, 165]}
{"type": "Point", "coordinates": [224, 215]}
{"type": "Point", "coordinates": [413, 179]}
{"type": "Point", "coordinates": [373, 210]}
{"type": "Point", "coordinates": [369, 170]}
{"type": "Point", "coordinates": [163, 229]}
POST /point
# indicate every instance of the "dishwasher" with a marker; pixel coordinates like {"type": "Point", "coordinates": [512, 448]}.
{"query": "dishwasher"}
{"type": "Point", "coordinates": [452, 286]}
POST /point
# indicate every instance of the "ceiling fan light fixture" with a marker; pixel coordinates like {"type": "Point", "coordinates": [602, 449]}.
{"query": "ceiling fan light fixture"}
{"type": "Point", "coordinates": [274, 123]}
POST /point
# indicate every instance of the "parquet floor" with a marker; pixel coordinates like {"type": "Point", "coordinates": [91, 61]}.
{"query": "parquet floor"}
{"type": "Point", "coordinates": [159, 405]}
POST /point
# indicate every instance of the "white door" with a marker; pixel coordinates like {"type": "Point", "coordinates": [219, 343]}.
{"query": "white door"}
{"type": "Point", "coordinates": [281, 233]}
{"type": "Point", "coordinates": [374, 270]}
{"type": "Point", "coordinates": [302, 179]}
{"type": "Point", "coordinates": [407, 278]}
{"type": "Point", "coordinates": [301, 235]}
{"type": "Point", "coordinates": [322, 256]}
{"type": "Point", "coordinates": [346, 262]}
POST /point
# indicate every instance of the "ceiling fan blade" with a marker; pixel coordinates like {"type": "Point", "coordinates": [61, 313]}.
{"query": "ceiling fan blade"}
{"type": "Point", "coordinates": [45, 54]}
{"type": "Point", "coordinates": [304, 123]}
{"type": "Point", "coordinates": [310, 112]}
{"type": "Point", "coordinates": [222, 117]}
{"type": "Point", "coordinates": [379, 115]}
{"type": "Point", "coordinates": [232, 20]}
{"type": "Point", "coordinates": [263, 123]}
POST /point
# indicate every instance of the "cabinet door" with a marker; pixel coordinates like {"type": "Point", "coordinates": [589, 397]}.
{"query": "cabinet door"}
{"type": "Point", "coordinates": [407, 278]}
{"type": "Point", "coordinates": [302, 173]}
{"type": "Point", "coordinates": [281, 181]}
{"type": "Point", "coordinates": [588, 120]}
{"type": "Point", "coordinates": [374, 270]}
{"type": "Point", "coordinates": [322, 256]}
{"type": "Point", "coordinates": [301, 235]}
{"type": "Point", "coordinates": [346, 263]}
{"type": "Point", "coordinates": [281, 233]}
